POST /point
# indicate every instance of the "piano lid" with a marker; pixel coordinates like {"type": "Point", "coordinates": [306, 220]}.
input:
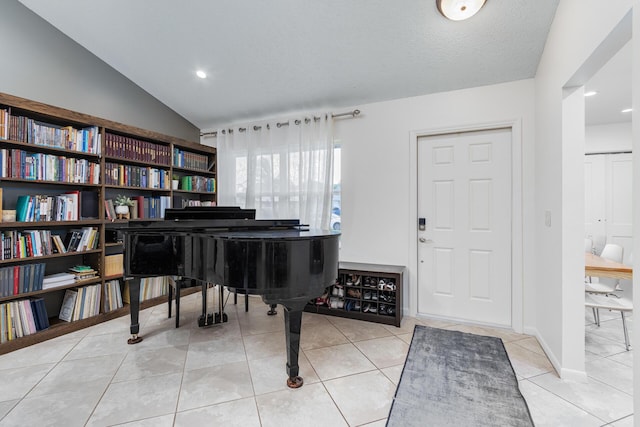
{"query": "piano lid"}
{"type": "Point", "coordinates": [203, 218]}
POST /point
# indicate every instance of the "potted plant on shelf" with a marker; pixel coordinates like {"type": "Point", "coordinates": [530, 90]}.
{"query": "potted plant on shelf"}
{"type": "Point", "coordinates": [122, 204]}
{"type": "Point", "coordinates": [175, 182]}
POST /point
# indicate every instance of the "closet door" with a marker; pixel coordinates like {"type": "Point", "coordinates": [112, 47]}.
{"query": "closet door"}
{"type": "Point", "coordinates": [619, 202]}
{"type": "Point", "coordinates": [594, 200]}
{"type": "Point", "coordinates": [608, 207]}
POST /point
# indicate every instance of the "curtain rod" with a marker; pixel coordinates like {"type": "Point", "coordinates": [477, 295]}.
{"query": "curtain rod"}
{"type": "Point", "coordinates": [607, 152]}
{"type": "Point", "coordinates": [280, 124]}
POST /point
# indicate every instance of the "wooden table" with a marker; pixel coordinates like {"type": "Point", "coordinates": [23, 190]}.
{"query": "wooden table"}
{"type": "Point", "coordinates": [601, 267]}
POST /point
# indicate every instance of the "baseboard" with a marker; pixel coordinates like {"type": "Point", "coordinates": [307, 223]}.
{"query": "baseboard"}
{"type": "Point", "coordinates": [565, 374]}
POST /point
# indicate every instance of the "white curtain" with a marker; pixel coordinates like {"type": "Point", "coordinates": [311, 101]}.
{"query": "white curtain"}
{"type": "Point", "coordinates": [283, 168]}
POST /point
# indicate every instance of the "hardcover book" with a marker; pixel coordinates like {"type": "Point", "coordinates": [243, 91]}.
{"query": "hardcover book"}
{"type": "Point", "coordinates": [68, 304]}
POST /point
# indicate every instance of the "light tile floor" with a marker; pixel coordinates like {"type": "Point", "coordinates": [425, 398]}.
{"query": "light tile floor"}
{"type": "Point", "coordinates": [234, 374]}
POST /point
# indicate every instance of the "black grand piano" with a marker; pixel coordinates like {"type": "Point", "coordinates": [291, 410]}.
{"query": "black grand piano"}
{"type": "Point", "coordinates": [281, 260]}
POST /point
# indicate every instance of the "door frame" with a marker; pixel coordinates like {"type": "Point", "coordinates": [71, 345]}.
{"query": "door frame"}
{"type": "Point", "coordinates": [517, 261]}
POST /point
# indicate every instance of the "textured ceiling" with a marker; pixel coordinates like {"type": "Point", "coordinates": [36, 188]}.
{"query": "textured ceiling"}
{"type": "Point", "coordinates": [271, 57]}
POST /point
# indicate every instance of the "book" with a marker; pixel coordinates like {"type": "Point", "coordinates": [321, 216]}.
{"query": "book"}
{"type": "Point", "coordinates": [68, 305]}
{"type": "Point", "coordinates": [57, 280]}
{"type": "Point", "coordinates": [58, 243]}
{"type": "Point", "coordinates": [74, 209]}
{"type": "Point", "coordinates": [134, 209]}
{"type": "Point", "coordinates": [22, 205]}
{"type": "Point", "coordinates": [110, 209]}
{"type": "Point", "coordinates": [88, 205]}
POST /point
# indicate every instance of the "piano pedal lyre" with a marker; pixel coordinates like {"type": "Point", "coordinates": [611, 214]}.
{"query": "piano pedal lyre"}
{"type": "Point", "coordinates": [207, 319]}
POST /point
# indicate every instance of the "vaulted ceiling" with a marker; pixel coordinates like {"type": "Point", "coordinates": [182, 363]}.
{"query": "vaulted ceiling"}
{"type": "Point", "coordinates": [265, 58]}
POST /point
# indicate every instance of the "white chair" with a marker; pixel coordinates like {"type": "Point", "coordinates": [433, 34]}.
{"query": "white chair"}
{"type": "Point", "coordinates": [623, 305]}
{"type": "Point", "coordinates": [606, 285]}
{"type": "Point", "coordinates": [588, 245]}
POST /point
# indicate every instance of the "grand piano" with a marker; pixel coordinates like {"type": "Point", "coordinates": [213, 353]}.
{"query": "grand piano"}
{"type": "Point", "coordinates": [281, 260]}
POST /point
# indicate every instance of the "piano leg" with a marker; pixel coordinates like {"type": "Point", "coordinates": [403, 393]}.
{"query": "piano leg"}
{"type": "Point", "coordinates": [134, 310]}
{"type": "Point", "coordinates": [292, 324]}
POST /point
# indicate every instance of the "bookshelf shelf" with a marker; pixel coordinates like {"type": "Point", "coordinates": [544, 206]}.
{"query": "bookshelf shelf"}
{"type": "Point", "coordinates": [48, 149]}
{"type": "Point", "coordinates": [104, 154]}
{"type": "Point", "coordinates": [48, 257]}
{"type": "Point", "coordinates": [48, 224]}
{"type": "Point", "coordinates": [194, 171]}
{"type": "Point", "coordinates": [146, 189]}
{"type": "Point", "coordinates": [76, 284]}
{"type": "Point", "coordinates": [136, 162]}
{"type": "Point", "coordinates": [50, 183]}
{"type": "Point", "coordinates": [195, 192]}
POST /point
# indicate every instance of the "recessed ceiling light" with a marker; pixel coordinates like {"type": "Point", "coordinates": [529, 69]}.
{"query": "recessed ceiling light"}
{"type": "Point", "coordinates": [201, 74]}
{"type": "Point", "coordinates": [590, 93]}
{"type": "Point", "coordinates": [627, 110]}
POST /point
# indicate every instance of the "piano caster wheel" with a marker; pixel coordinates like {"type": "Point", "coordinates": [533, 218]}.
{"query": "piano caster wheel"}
{"type": "Point", "coordinates": [294, 382]}
{"type": "Point", "coordinates": [201, 321]}
{"type": "Point", "coordinates": [272, 310]}
{"type": "Point", "coordinates": [135, 339]}
{"type": "Point", "coordinates": [210, 319]}
{"type": "Point", "coordinates": [224, 317]}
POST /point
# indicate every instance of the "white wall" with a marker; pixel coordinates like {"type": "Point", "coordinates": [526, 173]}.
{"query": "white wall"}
{"type": "Point", "coordinates": [578, 29]}
{"type": "Point", "coordinates": [378, 189]}
{"type": "Point", "coordinates": [608, 138]}
{"type": "Point", "coordinates": [636, 191]}
{"type": "Point", "coordinates": [42, 64]}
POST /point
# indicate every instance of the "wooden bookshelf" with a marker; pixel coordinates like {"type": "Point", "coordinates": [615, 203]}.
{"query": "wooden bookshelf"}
{"type": "Point", "coordinates": [131, 150]}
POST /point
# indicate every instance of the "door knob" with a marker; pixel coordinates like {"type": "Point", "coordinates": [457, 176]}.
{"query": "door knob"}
{"type": "Point", "coordinates": [423, 240]}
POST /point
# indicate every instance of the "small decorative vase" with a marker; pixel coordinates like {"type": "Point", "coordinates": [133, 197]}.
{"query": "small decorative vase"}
{"type": "Point", "coordinates": [122, 209]}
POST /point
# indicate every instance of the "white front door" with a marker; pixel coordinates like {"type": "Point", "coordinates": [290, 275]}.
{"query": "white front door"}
{"type": "Point", "coordinates": [464, 251]}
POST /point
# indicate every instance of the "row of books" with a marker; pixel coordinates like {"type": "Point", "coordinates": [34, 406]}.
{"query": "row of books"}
{"type": "Point", "coordinates": [150, 287]}
{"type": "Point", "coordinates": [112, 296]}
{"type": "Point", "coordinates": [69, 206]}
{"type": "Point", "coordinates": [21, 164]}
{"type": "Point", "coordinates": [24, 129]}
{"type": "Point", "coordinates": [198, 183]}
{"type": "Point", "coordinates": [186, 159]}
{"type": "Point", "coordinates": [152, 207]}
{"type": "Point", "coordinates": [26, 243]}
{"type": "Point", "coordinates": [132, 148]}
{"type": "Point", "coordinates": [18, 244]}
{"type": "Point", "coordinates": [81, 303]}
{"type": "Point", "coordinates": [21, 318]}
{"type": "Point", "coordinates": [136, 176]}
{"type": "Point", "coordinates": [20, 279]}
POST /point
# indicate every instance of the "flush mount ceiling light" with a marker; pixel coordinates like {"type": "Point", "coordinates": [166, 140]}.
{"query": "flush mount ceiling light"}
{"type": "Point", "coordinates": [201, 74]}
{"type": "Point", "coordinates": [590, 93]}
{"type": "Point", "coordinates": [627, 110]}
{"type": "Point", "coordinates": [457, 10]}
